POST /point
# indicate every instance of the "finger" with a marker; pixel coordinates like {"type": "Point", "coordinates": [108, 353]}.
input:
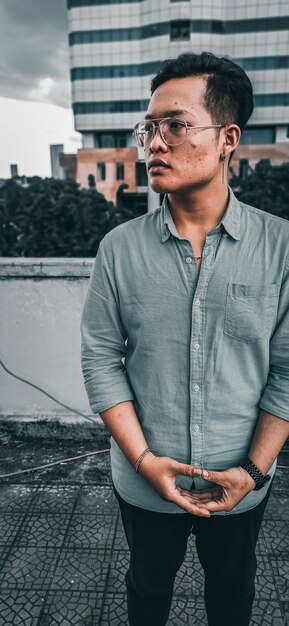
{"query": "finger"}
{"type": "Point", "coordinates": [198, 497]}
{"type": "Point", "coordinates": [189, 507]}
{"type": "Point", "coordinates": [213, 477]}
{"type": "Point", "coordinates": [187, 470]}
{"type": "Point", "coordinates": [194, 470]}
{"type": "Point", "coordinates": [195, 500]}
{"type": "Point", "coordinates": [219, 505]}
{"type": "Point", "coordinates": [200, 494]}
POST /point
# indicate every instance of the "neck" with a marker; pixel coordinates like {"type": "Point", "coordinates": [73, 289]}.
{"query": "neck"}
{"type": "Point", "coordinates": [200, 209]}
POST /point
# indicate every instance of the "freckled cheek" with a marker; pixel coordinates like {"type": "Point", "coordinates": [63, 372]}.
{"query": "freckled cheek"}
{"type": "Point", "coordinates": [195, 159]}
{"type": "Point", "coordinates": [196, 163]}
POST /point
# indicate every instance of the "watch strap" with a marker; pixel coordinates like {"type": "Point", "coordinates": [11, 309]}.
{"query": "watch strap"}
{"type": "Point", "coordinates": [252, 469]}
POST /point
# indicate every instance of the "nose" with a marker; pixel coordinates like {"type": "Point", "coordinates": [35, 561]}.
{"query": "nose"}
{"type": "Point", "coordinates": [157, 144]}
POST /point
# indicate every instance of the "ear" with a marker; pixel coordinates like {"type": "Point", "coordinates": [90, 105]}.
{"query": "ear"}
{"type": "Point", "coordinates": [232, 137]}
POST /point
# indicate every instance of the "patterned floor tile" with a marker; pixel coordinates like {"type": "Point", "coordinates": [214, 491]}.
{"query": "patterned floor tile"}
{"type": "Point", "coordinates": [4, 552]}
{"type": "Point", "coordinates": [96, 500]}
{"type": "Point", "coordinates": [264, 581]}
{"type": "Point", "coordinates": [114, 610]}
{"type": "Point", "coordinates": [16, 498]}
{"type": "Point", "coordinates": [118, 567]}
{"type": "Point", "coordinates": [190, 577]}
{"type": "Point", "coordinates": [81, 570]}
{"type": "Point", "coordinates": [266, 613]}
{"type": "Point", "coordinates": [96, 531]}
{"type": "Point", "coordinates": [190, 611]}
{"type": "Point", "coordinates": [277, 508]}
{"type": "Point", "coordinates": [276, 535]}
{"type": "Point", "coordinates": [120, 538]}
{"type": "Point", "coordinates": [281, 572]}
{"type": "Point", "coordinates": [29, 567]}
{"type": "Point", "coordinates": [20, 607]}
{"type": "Point", "coordinates": [261, 547]}
{"type": "Point", "coordinates": [285, 611]}
{"type": "Point", "coordinates": [281, 481]}
{"type": "Point", "coordinates": [9, 526]}
{"type": "Point", "coordinates": [71, 608]}
{"type": "Point", "coordinates": [43, 530]}
{"type": "Point", "coordinates": [55, 499]}
{"type": "Point", "coordinates": [187, 611]}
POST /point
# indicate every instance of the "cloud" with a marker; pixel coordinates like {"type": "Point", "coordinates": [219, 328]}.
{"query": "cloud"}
{"type": "Point", "coordinates": [34, 55]}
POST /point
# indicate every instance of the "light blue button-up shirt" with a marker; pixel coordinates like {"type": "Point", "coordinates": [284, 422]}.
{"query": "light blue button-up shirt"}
{"type": "Point", "coordinates": [198, 351]}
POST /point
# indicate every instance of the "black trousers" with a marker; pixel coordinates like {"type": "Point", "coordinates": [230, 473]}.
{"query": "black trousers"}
{"type": "Point", "coordinates": [226, 549]}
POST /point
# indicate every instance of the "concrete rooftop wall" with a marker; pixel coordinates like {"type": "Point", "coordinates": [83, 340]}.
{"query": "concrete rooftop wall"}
{"type": "Point", "coordinates": [41, 302]}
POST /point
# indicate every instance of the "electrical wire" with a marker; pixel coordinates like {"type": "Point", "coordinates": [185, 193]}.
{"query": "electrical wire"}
{"type": "Point", "coordinates": [73, 458]}
{"type": "Point", "coordinates": [45, 392]}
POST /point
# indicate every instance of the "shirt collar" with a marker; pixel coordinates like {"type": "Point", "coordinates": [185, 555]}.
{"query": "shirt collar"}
{"type": "Point", "coordinates": [231, 219]}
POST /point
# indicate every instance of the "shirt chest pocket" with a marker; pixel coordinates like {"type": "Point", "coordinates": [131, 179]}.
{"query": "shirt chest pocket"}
{"type": "Point", "coordinates": [250, 311]}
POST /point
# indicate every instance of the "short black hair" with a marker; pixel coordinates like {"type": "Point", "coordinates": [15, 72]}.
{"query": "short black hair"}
{"type": "Point", "coordinates": [229, 93]}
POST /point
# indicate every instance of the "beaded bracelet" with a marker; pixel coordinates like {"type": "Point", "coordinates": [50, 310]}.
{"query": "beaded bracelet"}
{"type": "Point", "coordinates": [140, 458]}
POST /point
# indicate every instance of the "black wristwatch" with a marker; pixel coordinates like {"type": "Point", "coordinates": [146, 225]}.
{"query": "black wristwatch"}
{"type": "Point", "coordinates": [255, 473]}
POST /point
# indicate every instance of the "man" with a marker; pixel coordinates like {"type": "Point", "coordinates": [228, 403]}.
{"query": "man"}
{"type": "Point", "coordinates": [195, 296]}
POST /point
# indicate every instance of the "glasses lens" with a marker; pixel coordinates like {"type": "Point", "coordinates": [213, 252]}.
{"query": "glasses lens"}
{"type": "Point", "coordinates": [144, 133]}
{"type": "Point", "coordinates": [174, 131]}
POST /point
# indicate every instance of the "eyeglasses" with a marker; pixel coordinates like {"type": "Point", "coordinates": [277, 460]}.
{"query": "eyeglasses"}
{"type": "Point", "coordinates": [173, 130]}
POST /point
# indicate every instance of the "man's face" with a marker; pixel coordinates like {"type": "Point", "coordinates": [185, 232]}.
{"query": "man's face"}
{"type": "Point", "coordinates": [195, 162]}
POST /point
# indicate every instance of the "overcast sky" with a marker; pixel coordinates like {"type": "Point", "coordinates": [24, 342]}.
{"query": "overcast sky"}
{"type": "Point", "coordinates": [34, 67]}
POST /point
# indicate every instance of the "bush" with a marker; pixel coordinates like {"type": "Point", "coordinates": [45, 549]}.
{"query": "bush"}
{"type": "Point", "coordinates": [54, 218]}
{"type": "Point", "coordinates": [266, 187]}
{"type": "Point", "coordinates": [57, 218]}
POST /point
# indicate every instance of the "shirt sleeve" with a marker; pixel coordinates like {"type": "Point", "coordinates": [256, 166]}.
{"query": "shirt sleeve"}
{"type": "Point", "coordinates": [103, 338]}
{"type": "Point", "coordinates": [275, 398]}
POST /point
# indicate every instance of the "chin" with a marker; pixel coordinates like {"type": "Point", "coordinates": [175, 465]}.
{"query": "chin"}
{"type": "Point", "coordinates": [159, 186]}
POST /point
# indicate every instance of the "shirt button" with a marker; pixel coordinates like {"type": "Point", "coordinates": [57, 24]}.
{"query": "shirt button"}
{"type": "Point", "coordinates": [196, 387]}
{"type": "Point", "coordinates": [196, 428]}
{"type": "Point", "coordinates": [196, 346]}
{"type": "Point", "coordinates": [197, 302]}
{"type": "Point", "coordinates": [189, 259]}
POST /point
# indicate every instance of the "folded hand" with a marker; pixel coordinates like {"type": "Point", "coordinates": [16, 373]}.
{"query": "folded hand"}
{"type": "Point", "coordinates": [231, 486]}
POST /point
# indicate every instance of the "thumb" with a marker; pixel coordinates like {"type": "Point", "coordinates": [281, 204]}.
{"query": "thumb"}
{"type": "Point", "coordinates": [188, 470]}
{"type": "Point", "coordinates": [213, 477]}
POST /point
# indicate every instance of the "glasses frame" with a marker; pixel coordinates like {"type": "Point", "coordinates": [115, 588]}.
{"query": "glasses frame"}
{"type": "Point", "coordinates": [159, 125]}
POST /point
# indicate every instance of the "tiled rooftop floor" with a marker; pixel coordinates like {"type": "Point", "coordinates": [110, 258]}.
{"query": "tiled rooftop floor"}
{"type": "Point", "coordinates": [63, 554]}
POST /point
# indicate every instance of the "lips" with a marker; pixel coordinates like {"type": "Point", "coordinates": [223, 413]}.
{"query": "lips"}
{"type": "Point", "coordinates": [157, 165]}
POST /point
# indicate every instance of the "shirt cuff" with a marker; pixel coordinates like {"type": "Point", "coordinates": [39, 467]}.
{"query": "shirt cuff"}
{"type": "Point", "coordinates": [275, 398]}
{"type": "Point", "coordinates": [121, 393]}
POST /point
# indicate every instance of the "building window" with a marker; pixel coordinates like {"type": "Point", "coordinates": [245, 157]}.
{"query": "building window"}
{"type": "Point", "coordinates": [120, 140]}
{"type": "Point", "coordinates": [271, 100]}
{"type": "Point", "coordinates": [101, 171]}
{"type": "Point", "coordinates": [180, 30]}
{"type": "Point", "coordinates": [255, 136]}
{"type": "Point", "coordinates": [141, 174]}
{"type": "Point", "coordinates": [253, 25]}
{"type": "Point", "coordinates": [119, 171]}
{"type": "Point", "coordinates": [106, 140]}
{"type": "Point", "coordinates": [110, 140]}
{"type": "Point", "coordinates": [71, 4]}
